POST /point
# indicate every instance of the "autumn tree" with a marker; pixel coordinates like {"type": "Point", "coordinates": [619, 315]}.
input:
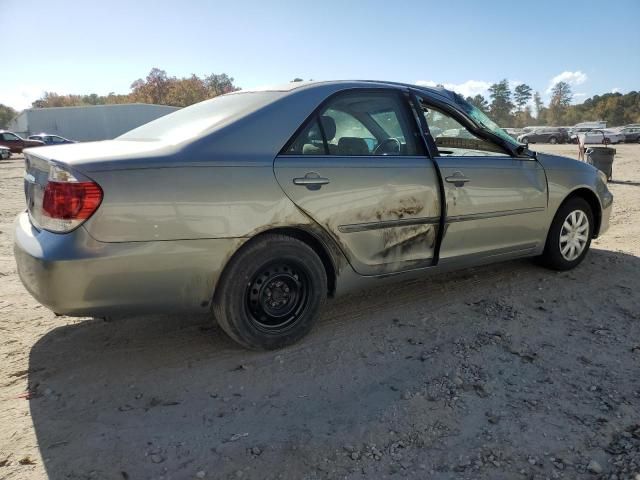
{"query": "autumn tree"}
{"type": "Point", "coordinates": [560, 100]}
{"type": "Point", "coordinates": [153, 89]}
{"type": "Point", "coordinates": [186, 91]}
{"type": "Point", "coordinates": [6, 115]}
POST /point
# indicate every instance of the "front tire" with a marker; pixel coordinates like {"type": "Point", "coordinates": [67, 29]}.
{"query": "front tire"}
{"type": "Point", "coordinates": [270, 293]}
{"type": "Point", "coordinates": [553, 140]}
{"type": "Point", "coordinates": [570, 235]}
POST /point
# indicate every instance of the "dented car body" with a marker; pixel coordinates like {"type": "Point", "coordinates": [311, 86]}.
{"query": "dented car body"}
{"type": "Point", "coordinates": [359, 172]}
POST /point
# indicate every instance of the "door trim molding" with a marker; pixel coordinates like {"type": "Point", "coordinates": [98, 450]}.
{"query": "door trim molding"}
{"type": "Point", "coordinates": [401, 222]}
{"type": "Point", "coordinates": [501, 213]}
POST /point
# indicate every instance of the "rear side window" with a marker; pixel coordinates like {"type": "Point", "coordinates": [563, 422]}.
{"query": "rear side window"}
{"type": "Point", "coordinates": [359, 124]}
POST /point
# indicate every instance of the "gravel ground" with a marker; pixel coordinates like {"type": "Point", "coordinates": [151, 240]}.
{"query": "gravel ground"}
{"type": "Point", "coordinates": [500, 372]}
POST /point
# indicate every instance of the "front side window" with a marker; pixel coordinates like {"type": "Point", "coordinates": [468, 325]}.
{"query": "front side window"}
{"type": "Point", "coordinates": [454, 139]}
{"type": "Point", "coordinates": [56, 140]}
{"type": "Point", "coordinates": [357, 124]}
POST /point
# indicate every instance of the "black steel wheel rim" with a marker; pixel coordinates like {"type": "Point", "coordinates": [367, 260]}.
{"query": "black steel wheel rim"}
{"type": "Point", "coordinates": [277, 296]}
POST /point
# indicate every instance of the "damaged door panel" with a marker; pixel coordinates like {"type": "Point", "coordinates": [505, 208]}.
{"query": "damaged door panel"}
{"type": "Point", "coordinates": [384, 216]}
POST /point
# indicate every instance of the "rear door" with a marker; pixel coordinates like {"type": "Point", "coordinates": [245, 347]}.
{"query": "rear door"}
{"type": "Point", "coordinates": [495, 203]}
{"type": "Point", "coordinates": [358, 168]}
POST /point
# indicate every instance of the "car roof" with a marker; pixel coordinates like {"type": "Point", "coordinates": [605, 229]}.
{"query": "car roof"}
{"type": "Point", "coordinates": [293, 86]}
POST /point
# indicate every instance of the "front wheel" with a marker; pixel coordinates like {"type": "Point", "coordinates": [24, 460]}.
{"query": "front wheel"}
{"type": "Point", "coordinates": [270, 293]}
{"type": "Point", "coordinates": [570, 235]}
{"type": "Point", "coordinates": [553, 140]}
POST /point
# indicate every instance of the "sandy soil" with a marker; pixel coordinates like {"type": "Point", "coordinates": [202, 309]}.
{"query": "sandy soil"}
{"type": "Point", "coordinates": [501, 372]}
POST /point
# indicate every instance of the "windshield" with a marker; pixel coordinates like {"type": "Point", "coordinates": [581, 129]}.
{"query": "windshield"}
{"type": "Point", "coordinates": [481, 118]}
{"type": "Point", "coordinates": [202, 117]}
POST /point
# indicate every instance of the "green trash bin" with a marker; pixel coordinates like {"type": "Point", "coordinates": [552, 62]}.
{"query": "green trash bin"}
{"type": "Point", "coordinates": [602, 159]}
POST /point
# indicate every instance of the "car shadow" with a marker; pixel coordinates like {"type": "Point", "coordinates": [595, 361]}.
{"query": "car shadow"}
{"type": "Point", "coordinates": [170, 396]}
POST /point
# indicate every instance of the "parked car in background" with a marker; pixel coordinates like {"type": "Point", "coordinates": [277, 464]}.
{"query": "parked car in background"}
{"type": "Point", "coordinates": [631, 134]}
{"type": "Point", "coordinates": [514, 132]}
{"type": "Point", "coordinates": [603, 136]}
{"type": "Point", "coordinates": [16, 143]}
{"type": "Point", "coordinates": [575, 131]}
{"type": "Point", "coordinates": [256, 206]}
{"type": "Point", "coordinates": [545, 135]}
{"type": "Point", "coordinates": [50, 139]}
{"type": "Point", "coordinates": [5, 153]}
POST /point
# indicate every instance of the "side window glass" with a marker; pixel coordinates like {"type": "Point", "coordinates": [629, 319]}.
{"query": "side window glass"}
{"type": "Point", "coordinates": [359, 124]}
{"type": "Point", "coordinates": [350, 136]}
{"type": "Point", "coordinates": [453, 139]}
{"type": "Point", "coordinates": [308, 142]}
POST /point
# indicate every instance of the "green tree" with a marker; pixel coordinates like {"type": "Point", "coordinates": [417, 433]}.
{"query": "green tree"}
{"type": "Point", "coordinates": [540, 108]}
{"type": "Point", "coordinates": [297, 79]}
{"type": "Point", "coordinates": [501, 105]}
{"type": "Point", "coordinates": [480, 102]}
{"type": "Point", "coordinates": [522, 95]}
{"type": "Point", "coordinates": [219, 84]}
{"type": "Point", "coordinates": [6, 115]}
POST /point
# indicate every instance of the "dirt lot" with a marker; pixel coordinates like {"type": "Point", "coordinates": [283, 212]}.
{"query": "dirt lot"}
{"type": "Point", "coordinates": [501, 372]}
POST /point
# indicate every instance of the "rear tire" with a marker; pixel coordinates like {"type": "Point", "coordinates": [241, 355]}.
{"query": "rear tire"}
{"type": "Point", "coordinates": [570, 235]}
{"type": "Point", "coordinates": [553, 140]}
{"type": "Point", "coordinates": [270, 293]}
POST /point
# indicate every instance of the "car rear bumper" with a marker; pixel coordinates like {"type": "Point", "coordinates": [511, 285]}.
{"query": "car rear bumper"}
{"type": "Point", "coordinates": [74, 274]}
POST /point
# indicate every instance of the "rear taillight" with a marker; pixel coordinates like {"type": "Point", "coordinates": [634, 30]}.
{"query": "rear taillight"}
{"type": "Point", "coordinates": [68, 200]}
{"type": "Point", "coordinates": [71, 201]}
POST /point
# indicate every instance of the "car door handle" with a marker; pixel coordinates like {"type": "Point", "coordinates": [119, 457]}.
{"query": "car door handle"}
{"type": "Point", "coordinates": [311, 180]}
{"type": "Point", "coordinates": [458, 179]}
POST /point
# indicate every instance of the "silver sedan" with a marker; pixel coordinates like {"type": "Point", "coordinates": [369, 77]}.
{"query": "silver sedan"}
{"type": "Point", "coordinates": [258, 205]}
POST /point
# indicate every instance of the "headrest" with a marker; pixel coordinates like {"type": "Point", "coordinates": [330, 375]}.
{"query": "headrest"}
{"type": "Point", "coordinates": [329, 127]}
{"type": "Point", "coordinates": [352, 146]}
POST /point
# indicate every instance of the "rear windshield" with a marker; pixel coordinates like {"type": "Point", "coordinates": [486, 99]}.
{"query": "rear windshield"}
{"type": "Point", "coordinates": [192, 121]}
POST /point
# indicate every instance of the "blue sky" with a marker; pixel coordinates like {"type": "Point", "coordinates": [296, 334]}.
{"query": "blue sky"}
{"type": "Point", "coordinates": [103, 46]}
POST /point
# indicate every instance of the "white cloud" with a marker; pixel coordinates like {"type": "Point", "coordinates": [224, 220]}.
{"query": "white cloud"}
{"type": "Point", "coordinates": [616, 90]}
{"type": "Point", "coordinates": [469, 88]}
{"type": "Point", "coordinates": [572, 78]}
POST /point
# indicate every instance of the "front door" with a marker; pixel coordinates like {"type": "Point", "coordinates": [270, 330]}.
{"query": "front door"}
{"type": "Point", "coordinates": [358, 169]}
{"type": "Point", "coordinates": [495, 203]}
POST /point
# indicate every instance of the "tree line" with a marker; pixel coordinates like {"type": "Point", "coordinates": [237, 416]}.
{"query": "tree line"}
{"type": "Point", "coordinates": [519, 107]}
{"type": "Point", "coordinates": [516, 108]}
{"type": "Point", "coordinates": [157, 87]}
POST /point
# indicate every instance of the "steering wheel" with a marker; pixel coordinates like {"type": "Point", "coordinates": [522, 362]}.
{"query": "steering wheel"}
{"type": "Point", "coordinates": [380, 149]}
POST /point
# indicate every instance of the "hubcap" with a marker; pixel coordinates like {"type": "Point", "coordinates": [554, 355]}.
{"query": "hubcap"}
{"type": "Point", "coordinates": [574, 235]}
{"type": "Point", "coordinates": [277, 296]}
